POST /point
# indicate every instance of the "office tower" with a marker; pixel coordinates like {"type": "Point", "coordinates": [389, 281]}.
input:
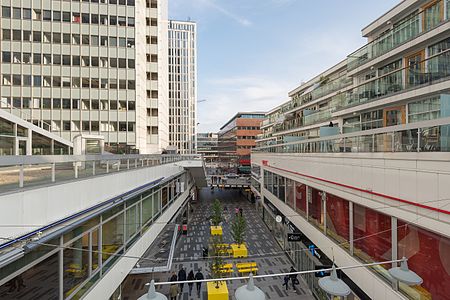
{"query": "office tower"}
{"type": "Point", "coordinates": [183, 86]}
{"type": "Point", "coordinates": [92, 68]}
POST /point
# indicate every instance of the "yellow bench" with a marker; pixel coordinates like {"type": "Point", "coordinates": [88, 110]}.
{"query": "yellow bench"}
{"type": "Point", "coordinates": [248, 270]}
{"type": "Point", "coordinates": [246, 265]}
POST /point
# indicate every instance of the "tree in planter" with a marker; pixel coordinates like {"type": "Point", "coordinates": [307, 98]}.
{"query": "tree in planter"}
{"type": "Point", "coordinates": [216, 217]}
{"type": "Point", "coordinates": [238, 228]}
{"type": "Point", "coordinates": [216, 261]}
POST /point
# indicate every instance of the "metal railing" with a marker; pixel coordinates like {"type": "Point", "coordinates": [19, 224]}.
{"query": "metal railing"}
{"type": "Point", "coordinates": [432, 70]}
{"type": "Point", "coordinates": [21, 171]}
{"type": "Point", "coordinates": [426, 136]}
{"type": "Point", "coordinates": [401, 33]}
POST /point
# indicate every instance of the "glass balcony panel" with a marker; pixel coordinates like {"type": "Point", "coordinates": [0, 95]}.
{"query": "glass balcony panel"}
{"type": "Point", "coordinates": [401, 32]}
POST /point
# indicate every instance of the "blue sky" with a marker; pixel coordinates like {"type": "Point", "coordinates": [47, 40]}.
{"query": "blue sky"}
{"type": "Point", "coordinates": [251, 53]}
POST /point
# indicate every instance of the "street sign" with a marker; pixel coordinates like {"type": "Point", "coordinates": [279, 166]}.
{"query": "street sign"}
{"type": "Point", "coordinates": [294, 237]}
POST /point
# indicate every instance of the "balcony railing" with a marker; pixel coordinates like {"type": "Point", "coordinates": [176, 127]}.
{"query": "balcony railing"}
{"type": "Point", "coordinates": [319, 92]}
{"type": "Point", "coordinates": [319, 116]}
{"type": "Point", "coordinates": [17, 172]}
{"type": "Point", "coordinates": [426, 72]}
{"type": "Point", "coordinates": [401, 33]}
{"type": "Point", "coordinates": [427, 136]}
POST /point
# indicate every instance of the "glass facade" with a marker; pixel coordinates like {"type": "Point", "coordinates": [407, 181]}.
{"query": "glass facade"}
{"type": "Point", "coordinates": [370, 239]}
{"type": "Point", "coordinates": [88, 251]}
{"type": "Point", "coordinates": [428, 255]}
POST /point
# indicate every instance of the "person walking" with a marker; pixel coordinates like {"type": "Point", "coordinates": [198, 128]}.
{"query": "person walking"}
{"type": "Point", "coordinates": [236, 210]}
{"type": "Point", "coordinates": [181, 277]}
{"type": "Point", "coordinates": [173, 277]}
{"type": "Point", "coordinates": [190, 277]}
{"type": "Point", "coordinates": [286, 282]}
{"type": "Point", "coordinates": [241, 211]}
{"type": "Point", "coordinates": [294, 277]}
{"type": "Point", "coordinates": [173, 292]}
{"type": "Point", "coordinates": [199, 276]}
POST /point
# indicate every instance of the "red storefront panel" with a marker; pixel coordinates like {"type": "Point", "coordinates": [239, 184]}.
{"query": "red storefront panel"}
{"type": "Point", "coordinates": [429, 256]}
{"type": "Point", "coordinates": [315, 208]}
{"type": "Point", "coordinates": [300, 198]}
{"type": "Point", "coordinates": [372, 234]}
{"type": "Point", "coordinates": [338, 218]}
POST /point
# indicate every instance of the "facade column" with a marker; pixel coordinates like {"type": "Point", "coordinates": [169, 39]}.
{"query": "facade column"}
{"type": "Point", "coordinates": [350, 233]}
{"type": "Point", "coordinates": [394, 239]}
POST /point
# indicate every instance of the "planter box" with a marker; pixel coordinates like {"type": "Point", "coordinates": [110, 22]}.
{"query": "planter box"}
{"type": "Point", "coordinates": [239, 251]}
{"type": "Point", "coordinates": [220, 293]}
{"type": "Point", "coordinates": [216, 230]}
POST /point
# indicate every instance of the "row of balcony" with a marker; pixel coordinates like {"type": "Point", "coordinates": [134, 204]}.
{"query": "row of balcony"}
{"type": "Point", "coordinates": [425, 72]}
{"type": "Point", "coordinates": [427, 136]}
{"type": "Point", "coordinates": [401, 33]}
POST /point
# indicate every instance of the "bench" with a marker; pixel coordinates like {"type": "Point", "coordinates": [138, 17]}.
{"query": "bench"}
{"type": "Point", "coordinates": [246, 265]}
{"type": "Point", "coordinates": [248, 270]}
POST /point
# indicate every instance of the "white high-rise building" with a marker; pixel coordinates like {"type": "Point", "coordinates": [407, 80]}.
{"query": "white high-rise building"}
{"type": "Point", "coordinates": [183, 86]}
{"type": "Point", "coordinates": [97, 67]}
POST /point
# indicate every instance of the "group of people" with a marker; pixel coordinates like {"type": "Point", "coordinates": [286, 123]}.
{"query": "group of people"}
{"type": "Point", "coordinates": [292, 277]}
{"type": "Point", "coordinates": [176, 289]}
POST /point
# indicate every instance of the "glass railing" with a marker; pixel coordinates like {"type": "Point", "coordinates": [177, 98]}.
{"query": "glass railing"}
{"type": "Point", "coordinates": [319, 92]}
{"type": "Point", "coordinates": [427, 136]}
{"type": "Point", "coordinates": [288, 125]}
{"type": "Point", "coordinates": [317, 117]}
{"type": "Point", "coordinates": [18, 171]}
{"type": "Point", "coordinates": [426, 72]}
{"type": "Point", "coordinates": [405, 31]}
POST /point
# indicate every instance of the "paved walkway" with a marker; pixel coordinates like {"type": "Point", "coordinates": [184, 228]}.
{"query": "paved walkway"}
{"type": "Point", "coordinates": [189, 251]}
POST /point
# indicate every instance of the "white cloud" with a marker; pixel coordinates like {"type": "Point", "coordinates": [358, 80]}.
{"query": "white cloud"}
{"type": "Point", "coordinates": [233, 94]}
{"type": "Point", "coordinates": [241, 20]}
{"type": "Point", "coordinates": [177, 6]}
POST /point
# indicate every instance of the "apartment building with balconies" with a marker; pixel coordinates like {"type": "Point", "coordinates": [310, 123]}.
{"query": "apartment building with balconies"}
{"type": "Point", "coordinates": [360, 163]}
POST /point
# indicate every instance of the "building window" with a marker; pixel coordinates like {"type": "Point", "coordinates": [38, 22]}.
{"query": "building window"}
{"type": "Point", "coordinates": [372, 236]}
{"type": "Point", "coordinates": [427, 255]}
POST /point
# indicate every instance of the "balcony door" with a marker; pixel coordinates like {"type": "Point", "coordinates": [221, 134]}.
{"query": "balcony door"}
{"type": "Point", "coordinates": [415, 69]}
{"type": "Point", "coordinates": [394, 116]}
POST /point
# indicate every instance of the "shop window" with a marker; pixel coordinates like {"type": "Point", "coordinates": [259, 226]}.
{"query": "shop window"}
{"type": "Point", "coordinates": [338, 219]}
{"type": "Point", "coordinates": [315, 208]}
{"type": "Point", "coordinates": [372, 237]}
{"type": "Point", "coordinates": [290, 193]}
{"type": "Point", "coordinates": [428, 256]}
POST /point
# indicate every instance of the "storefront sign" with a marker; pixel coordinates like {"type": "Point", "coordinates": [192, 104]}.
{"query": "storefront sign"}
{"type": "Point", "coordinates": [294, 237]}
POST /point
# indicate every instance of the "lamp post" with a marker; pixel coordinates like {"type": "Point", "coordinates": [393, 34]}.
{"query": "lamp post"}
{"type": "Point", "coordinates": [152, 294]}
{"type": "Point", "coordinates": [249, 291]}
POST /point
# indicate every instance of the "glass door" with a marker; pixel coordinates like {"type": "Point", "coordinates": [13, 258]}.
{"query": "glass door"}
{"type": "Point", "coordinates": [21, 146]}
{"type": "Point", "coordinates": [394, 116]}
{"type": "Point", "coordinates": [415, 69]}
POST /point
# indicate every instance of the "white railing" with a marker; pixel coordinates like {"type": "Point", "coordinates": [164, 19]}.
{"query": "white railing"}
{"type": "Point", "coordinates": [21, 171]}
{"type": "Point", "coordinates": [426, 136]}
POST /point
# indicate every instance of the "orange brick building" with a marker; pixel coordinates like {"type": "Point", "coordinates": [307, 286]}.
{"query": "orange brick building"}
{"type": "Point", "coordinates": [236, 139]}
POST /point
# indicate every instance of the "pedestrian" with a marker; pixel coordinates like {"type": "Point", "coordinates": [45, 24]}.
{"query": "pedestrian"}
{"type": "Point", "coordinates": [240, 211]}
{"type": "Point", "coordinates": [199, 276]}
{"type": "Point", "coordinates": [181, 277]}
{"type": "Point", "coordinates": [190, 284]}
{"type": "Point", "coordinates": [205, 252]}
{"type": "Point", "coordinates": [236, 210]}
{"type": "Point", "coordinates": [286, 282]}
{"type": "Point", "coordinates": [173, 292]}
{"type": "Point", "coordinates": [294, 277]}
{"type": "Point", "coordinates": [173, 277]}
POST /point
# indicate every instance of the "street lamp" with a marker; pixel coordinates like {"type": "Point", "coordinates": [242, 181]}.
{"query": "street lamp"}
{"type": "Point", "coordinates": [249, 291]}
{"type": "Point", "coordinates": [404, 274]}
{"type": "Point", "coordinates": [152, 294]}
{"type": "Point", "coordinates": [333, 285]}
